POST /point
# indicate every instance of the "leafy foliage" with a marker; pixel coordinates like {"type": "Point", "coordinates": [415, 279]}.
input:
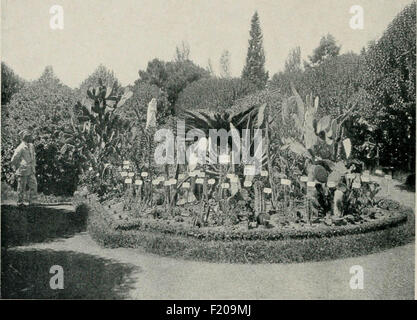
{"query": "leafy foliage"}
{"type": "Point", "coordinates": [215, 94]}
{"type": "Point", "coordinates": [45, 107]}
{"type": "Point", "coordinates": [96, 136]}
{"type": "Point", "coordinates": [389, 77]}
{"type": "Point", "coordinates": [172, 77]}
{"type": "Point", "coordinates": [326, 49]}
{"type": "Point", "coordinates": [10, 84]}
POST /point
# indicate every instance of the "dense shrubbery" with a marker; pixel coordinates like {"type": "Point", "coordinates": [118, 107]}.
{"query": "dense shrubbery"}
{"type": "Point", "coordinates": [45, 107]}
{"type": "Point", "coordinates": [380, 81]}
{"type": "Point", "coordinates": [214, 94]}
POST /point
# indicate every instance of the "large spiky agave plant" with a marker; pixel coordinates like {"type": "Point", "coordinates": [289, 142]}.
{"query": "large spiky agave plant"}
{"type": "Point", "coordinates": [249, 119]}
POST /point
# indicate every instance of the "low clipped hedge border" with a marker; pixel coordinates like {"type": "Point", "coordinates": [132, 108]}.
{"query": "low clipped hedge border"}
{"type": "Point", "coordinates": [162, 226]}
{"type": "Point", "coordinates": [253, 246]}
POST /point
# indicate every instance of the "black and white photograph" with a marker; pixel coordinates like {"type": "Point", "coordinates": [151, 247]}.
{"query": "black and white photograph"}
{"type": "Point", "coordinates": [209, 150]}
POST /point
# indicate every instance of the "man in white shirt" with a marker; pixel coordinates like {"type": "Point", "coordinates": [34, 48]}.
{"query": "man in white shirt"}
{"type": "Point", "coordinates": [24, 162]}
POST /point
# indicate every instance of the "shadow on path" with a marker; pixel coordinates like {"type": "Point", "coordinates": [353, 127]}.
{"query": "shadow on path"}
{"type": "Point", "coordinates": [20, 226]}
{"type": "Point", "coordinates": [25, 275]}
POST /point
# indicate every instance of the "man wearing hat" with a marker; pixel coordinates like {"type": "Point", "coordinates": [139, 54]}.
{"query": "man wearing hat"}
{"type": "Point", "coordinates": [24, 162]}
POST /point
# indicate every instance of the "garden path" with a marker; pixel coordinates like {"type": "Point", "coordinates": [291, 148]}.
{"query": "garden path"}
{"type": "Point", "coordinates": [93, 272]}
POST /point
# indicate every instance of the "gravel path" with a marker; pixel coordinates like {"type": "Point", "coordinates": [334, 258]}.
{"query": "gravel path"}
{"type": "Point", "coordinates": [93, 272]}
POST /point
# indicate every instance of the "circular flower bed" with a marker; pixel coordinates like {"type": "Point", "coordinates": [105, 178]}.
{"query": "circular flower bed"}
{"type": "Point", "coordinates": [392, 225]}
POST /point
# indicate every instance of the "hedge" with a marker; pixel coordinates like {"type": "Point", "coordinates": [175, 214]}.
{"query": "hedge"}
{"type": "Point", "coordinates": [252, 246]}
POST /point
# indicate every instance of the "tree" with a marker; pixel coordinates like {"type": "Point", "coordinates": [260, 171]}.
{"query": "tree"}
{"type": "Point", "coordinates": [225, 64]}
{"type": "Point", "coordinates": [326, 49]}
{"type": "Point", "coordinates": [10, 83]}
{"type": "Point", "coordinates": [254, 69]}
{"type": "Point", "coordinates": [101, 72]}
{"type": "Point", "coordinates": [210, 68]}
{"type": "Point", "coordinates": [43, 106]}
{"type": "Point", "coordinates": [293, 62]}
{"type": "Point", "coordinates": [389, 77]}
{"type": "Point", "coordinates": [172, 77]}
{"type": "Point", "coordinates": [216, 94]}
{"type": "Point", "coordinates": [135, 109]}
{"type": "Point", "coordinates": [182, 53]}
{"type": "Point", "coordinates": [293, 72]}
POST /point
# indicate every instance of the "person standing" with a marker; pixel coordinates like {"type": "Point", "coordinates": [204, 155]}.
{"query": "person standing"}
{"type": "Point", "coordinates": [24, 162]}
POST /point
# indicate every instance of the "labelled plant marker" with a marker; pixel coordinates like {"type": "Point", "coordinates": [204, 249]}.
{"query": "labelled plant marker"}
{"type": "Point", "coordinates": [126, 162]}
{"type": "Point", "coordinates": [186, 185]}
{"type": "Point", "coordinates": [304, 179]}
{"type": "Point", "coordinates": [144, 174]}
{"type": "Point", "coordinates": [350, 176]}
{"type": "Point", "coordinates": [211, 181]}
{"type": "Point", "coordinates": [123, 174]}
{"type": "Point", "coordinates": [264, 173]}
{"type": "Point", "coordinates": [356, 185]}
{"type": "Point", "coordinates": [201, 174]}
{"type": "Point", "coordinates": [225, 185]}
{"type": "Point", "coordinates": [161, 178]}
{"type": "Point", "coordinates": [199, 181]}
{"type": "Point", "coordinates": [311, 183]}
{"type": "Point", "coordinates": [331, 184]}
{"type": "Point", "coordinates": [181, 176]}
{"type": "Point", "coordinates": [128, 181]}
{"type": "Point", "coordinates": [234, 179]}
{"type": "Point", "coordinates": [172, 181]}
{"type": "Point", "coordinates": [286, 182]}
{"type": "Point", "coordinates": [155, 182]}
{"type": "Point", "coordinates": [130, 174]}
{"type": "Point", "coordinates": [249, 170]}
{"type": "Point", "coordinates": [267, 190]}
{"type": "Point", "coordinates": [247, 183]}
{"type": "Point", "coordinates": [366, 173]}
{"type": "Point", "coordinates": [365, 178]}
{"type": "Point", "coordinates": [224, 159]}
{"type": "Point", "coordinates": [126, 167]}
{"type": "Point", "coordinates": [388, 177]}
{"type": "Point", "coordinates": [138, 182]}
{"type": "Point", "coordinates": [379, 172]}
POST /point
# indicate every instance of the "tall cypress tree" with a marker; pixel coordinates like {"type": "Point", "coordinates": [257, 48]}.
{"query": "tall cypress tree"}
{"type": "Point", "coordinates": [254, 70]}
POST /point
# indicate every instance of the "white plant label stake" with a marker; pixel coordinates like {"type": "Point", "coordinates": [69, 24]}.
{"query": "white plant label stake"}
{"type": "Point", "coordinates": [267, 190]}
{"type": "Point", "coordinates": [224, 159]}
{"type": "Point", "coordinates": [249, 170]}
{"type": "Point", "coordinates": [331, 184]}
{"type": "Point", "coordinates": [264, 173]}
{"type": "Point", "coordinates": [247, 184]}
